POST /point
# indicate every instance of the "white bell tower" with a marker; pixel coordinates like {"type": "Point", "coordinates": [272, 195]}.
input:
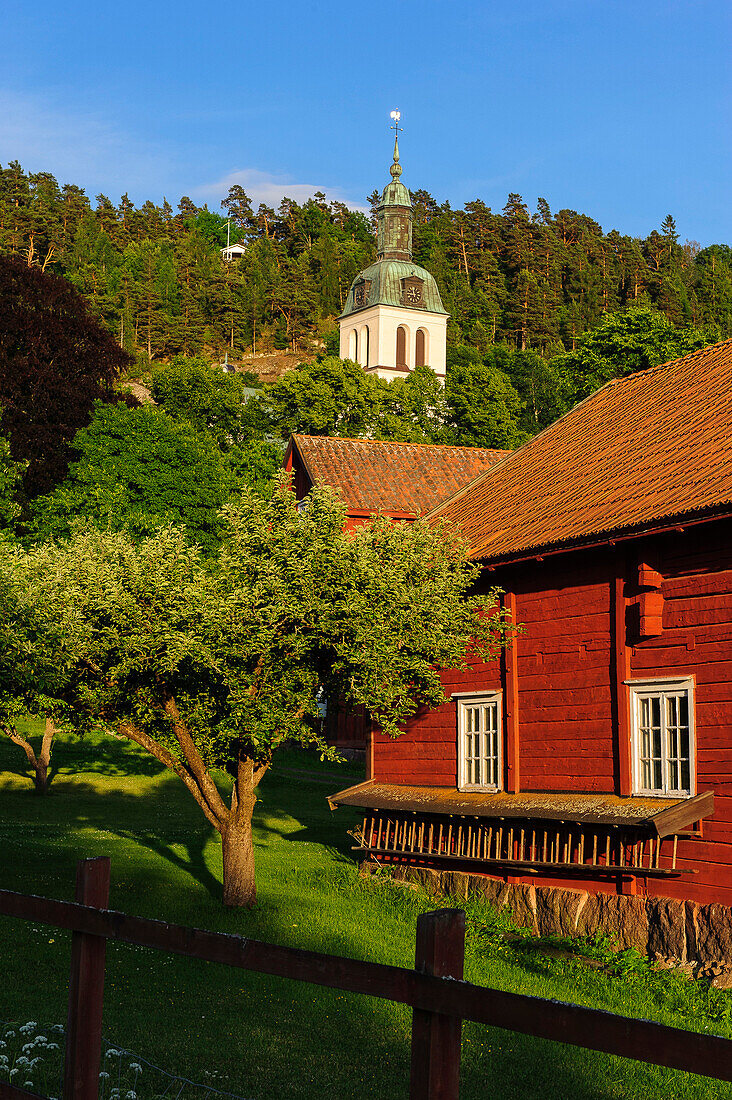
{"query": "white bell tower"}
{"type": "Point", "coordinates": [394, 319]}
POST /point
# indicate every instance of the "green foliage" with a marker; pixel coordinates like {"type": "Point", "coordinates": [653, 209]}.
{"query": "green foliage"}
{"type": "Point", "coordinates": [11, 474]}
{"type": "Point", "coordinates": [189, 388]}
{"type": "Point", "coordinates": [484, 406]}
{"type": "Point", "coordinates": [624, 343]}
{"type": "Point", "coordinates": [289, 605]}
{"type": "Point", "coordinates": [330, 397]}
{"type": "Point", "coordinates": [534, 281]}
{"type": "Point", "coordinates": [138, 469]}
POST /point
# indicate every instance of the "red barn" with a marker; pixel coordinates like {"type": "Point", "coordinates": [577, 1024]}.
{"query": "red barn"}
{"type": "Point", "coordinates": [399, 480]}
{"type": "Point", "coordinates": [596, 754]}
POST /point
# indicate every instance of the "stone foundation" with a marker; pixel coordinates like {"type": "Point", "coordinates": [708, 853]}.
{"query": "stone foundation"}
{"type": "Point", "coordinates": [683, 931]}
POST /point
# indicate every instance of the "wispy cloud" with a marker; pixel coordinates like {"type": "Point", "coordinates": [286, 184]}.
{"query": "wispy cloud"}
{"type": "Point", "coordinates": [77, 146]}
{"type": "Point", "coordinates": [269, 188]}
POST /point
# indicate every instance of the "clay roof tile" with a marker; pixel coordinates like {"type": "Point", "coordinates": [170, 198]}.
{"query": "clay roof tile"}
{"type": "Point", "coordinates": [651, 447]}
{"type": "Point", "coordinates": [406, 478]}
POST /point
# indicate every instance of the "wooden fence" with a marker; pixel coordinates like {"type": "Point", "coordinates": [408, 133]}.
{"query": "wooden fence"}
{"type": "Point", "coordinates": [435, 989]}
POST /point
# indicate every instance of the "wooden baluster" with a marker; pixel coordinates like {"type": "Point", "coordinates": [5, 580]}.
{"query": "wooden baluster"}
{"type": "Point", "coordinates": [490, 840]}
{"type": "Point", "coordinates": [594, 850]}
{"type": "Point", "coordinates": [378, 834]}
{"type": "Point", "coordinates": [581, 852]}
{"type": "Point", "coordinates": [439, 840]}
{"type": "Point", "coordinates": [607, 850]}
{"type": "Point", "coordinates": [521, 847]}
{"type": "Point", "coordinates": [673, 861]}
{"type": "Point", "coordinates": [430, 836]}
{"type": "Point", "coordinates": [545, 843]}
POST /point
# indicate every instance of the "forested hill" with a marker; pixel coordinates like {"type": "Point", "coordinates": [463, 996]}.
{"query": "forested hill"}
{"type": "Point", "coordinates": [532, 280]}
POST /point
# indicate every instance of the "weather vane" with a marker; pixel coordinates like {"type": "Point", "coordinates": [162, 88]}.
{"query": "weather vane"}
{"type": "Point", "coordinates": [396, 115]}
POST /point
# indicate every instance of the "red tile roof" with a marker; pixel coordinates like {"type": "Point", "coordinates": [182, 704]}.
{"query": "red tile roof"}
{"type": "Point", "coordinates": [404, 478]}
{"type": "Point", "coordinates": [643, 450]}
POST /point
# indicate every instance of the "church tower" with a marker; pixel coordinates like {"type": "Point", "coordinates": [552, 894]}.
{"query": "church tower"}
{"type": "Point", "coordinates": [394, 319]}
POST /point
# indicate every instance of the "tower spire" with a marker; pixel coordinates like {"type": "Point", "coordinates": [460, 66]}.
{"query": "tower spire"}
{"type": "Point", "coordinates": [396, 168]}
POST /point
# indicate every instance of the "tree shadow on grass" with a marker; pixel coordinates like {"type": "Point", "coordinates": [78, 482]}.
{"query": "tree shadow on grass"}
{"type": "Point", "coordinates": [92, 754]}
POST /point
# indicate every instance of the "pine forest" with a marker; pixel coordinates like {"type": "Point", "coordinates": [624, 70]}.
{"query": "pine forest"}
{"type": "Point", "coordinates": [531, 281]}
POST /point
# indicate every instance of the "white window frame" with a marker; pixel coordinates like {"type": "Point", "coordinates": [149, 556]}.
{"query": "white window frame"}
{"type": "Point", "coordinates": [661, 686]}
{"type": "Point", "coordinates": [465, 701]}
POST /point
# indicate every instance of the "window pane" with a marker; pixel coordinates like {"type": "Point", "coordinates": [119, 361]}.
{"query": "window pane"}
{"type": "Point", "coordinates": [480, 744]}
{"type": "Point", "coordinates": [663, 741]}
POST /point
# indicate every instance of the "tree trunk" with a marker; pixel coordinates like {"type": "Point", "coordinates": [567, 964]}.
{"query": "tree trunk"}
{"type": "Point", "coordinates": [238, 857]}
{"type": "Point", "coordinates": [40, 779]}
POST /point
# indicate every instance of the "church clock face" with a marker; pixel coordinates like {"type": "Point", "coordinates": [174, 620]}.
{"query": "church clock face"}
{"type": "Point", "coordinates": [413, 295]}
{"type": "Point", "coordinates": [359, 295]}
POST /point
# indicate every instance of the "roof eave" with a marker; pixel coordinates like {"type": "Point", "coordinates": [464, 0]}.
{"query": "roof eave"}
{"type": "Point", "coordinates": [605, 538]}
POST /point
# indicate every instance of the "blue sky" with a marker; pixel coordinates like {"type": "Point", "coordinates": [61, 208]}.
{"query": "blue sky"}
{"type": "Point", "coordinates": [618, 109]}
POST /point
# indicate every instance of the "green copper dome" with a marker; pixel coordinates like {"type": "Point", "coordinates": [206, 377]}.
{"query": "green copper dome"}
{"type": "Point", "coordinates": [390, 283]}
{"type": "Point", "coordinates": [394, 280]}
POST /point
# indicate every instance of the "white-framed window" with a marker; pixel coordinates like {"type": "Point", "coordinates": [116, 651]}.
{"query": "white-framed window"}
{"type": "Point", "coordinates": [480, 750]}
{"type": "Point", "coordinates": [663, 736]}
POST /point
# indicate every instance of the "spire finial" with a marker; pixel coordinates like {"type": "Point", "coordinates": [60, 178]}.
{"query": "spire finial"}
{"type": "Point", "coordinates": [396, 168]}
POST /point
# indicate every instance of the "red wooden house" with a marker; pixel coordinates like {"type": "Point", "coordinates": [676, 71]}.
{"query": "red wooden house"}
{"type": "Point", "coordinates": [596, 753]}
{"type": "Point", "coordinates": [400, 480]}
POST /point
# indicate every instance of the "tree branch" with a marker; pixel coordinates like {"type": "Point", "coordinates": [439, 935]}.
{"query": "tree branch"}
{"type": "Point", "coordinates": [206, 785]}
{"type": "Point", "coordinates": [47, 743]}
{"type": "Point", "coordinates": [161, 753]}
{"type": "Point", "coordinates": [18, 739]}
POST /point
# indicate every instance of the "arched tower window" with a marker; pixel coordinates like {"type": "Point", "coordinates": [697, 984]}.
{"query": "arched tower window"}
{"type": "Point", "coordinates": [401, 347]}
{"type": "Point", "coordinates": [353, 346]}
{"type": "Point", "coordinates": [420, 349]}
{"type": "Point", "coordinates": [364, 360]}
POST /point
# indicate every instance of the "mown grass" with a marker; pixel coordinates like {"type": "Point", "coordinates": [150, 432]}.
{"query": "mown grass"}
{"type": "Point", "coordinates": [272, 1039]}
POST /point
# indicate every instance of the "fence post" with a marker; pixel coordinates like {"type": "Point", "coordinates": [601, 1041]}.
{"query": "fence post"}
{"type": "Point", "coordinates": [86, 988]}
{"type": "Point", "coordinates": [435, 1070]}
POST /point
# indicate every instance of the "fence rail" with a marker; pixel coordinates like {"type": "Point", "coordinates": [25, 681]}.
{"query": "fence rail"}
{"type": "Point", "coordinates": [435, 990]}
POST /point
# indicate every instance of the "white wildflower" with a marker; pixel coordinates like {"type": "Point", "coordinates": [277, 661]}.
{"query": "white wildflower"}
{"type": "Point", "coordinates": [104, 1075]}
{"type": "Point", "coordinates": [136, 1066]}
{"type": "Point", "coordinates": [131, 1095]}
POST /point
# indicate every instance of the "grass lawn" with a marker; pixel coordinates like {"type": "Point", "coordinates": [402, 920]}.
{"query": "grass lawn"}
{"type": "Point", "coordinates": [267, 1038]}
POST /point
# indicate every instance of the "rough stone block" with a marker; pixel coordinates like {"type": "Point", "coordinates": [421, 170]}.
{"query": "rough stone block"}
{"type": "Point", "coordinates": [520, 898]}
{"type": "Point", "coordinates": [489, 889]}
{"type": "Point", "coordinates": [428, 878]}
{"type": "Point", "coordinates": [455, 884]}
{"type": "Point", "coordinates": [557, 910]}
{"type": "Point", "coordinates": [667, 927]}
{"type": "Point", "coordinates": [712, 932]}
{"type": "Point", "coordinates": [623, 918]}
